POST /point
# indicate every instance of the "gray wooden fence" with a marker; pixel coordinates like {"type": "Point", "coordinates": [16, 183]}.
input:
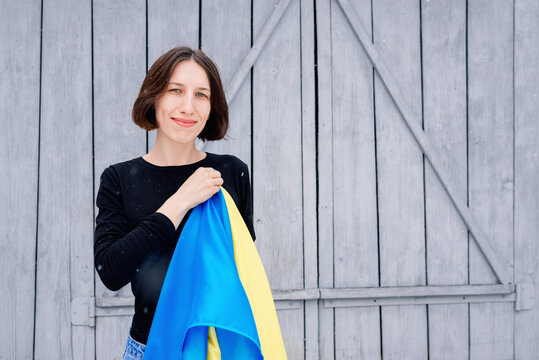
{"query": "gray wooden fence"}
{"type": "Point", "coordinates": [393, 147]}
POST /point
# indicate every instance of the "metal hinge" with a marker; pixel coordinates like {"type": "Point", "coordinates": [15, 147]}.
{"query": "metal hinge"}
{"type": "Point", "coordinates": [83, 311]}
{"type": "Point", "coordinates": [525, 297]}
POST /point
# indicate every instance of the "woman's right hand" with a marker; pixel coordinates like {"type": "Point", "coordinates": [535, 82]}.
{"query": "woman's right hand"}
{"type": "Point", "coordinates": [199, 187]}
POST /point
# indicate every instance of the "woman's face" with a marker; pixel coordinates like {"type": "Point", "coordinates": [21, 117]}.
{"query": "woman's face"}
{"type": "Point", "coordinates": [183, 109]}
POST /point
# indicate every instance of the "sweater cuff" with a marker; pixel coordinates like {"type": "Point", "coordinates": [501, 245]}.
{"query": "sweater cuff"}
{"type": "Point", "coordinates": [166, 224]}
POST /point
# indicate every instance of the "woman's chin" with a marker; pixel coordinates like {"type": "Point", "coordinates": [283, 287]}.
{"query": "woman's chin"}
{"type": "Point", "coordinates": [184, 140]}
{"type": "Point", "coordinates": [181, 138]}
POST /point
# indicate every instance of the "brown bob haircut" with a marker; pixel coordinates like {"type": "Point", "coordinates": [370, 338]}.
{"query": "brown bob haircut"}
{"type": "Point", "coordinates": [155, 84]}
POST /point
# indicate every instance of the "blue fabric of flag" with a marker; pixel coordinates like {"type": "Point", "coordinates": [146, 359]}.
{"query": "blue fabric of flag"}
{"type": "Point", "coordinates": [202, 288]}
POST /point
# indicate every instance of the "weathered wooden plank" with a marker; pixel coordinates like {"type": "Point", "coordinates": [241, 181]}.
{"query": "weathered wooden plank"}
{"type": "Point", "coordinates": [353, 297]}
{"type": "Point", "coordinates": [166, 32]}
{"type": "Point", "coordinates": [291, 323]}
{"type": "Point", "coordinates": [65, 260]}
{"type": "Point", "coordinates": [123, 310]}
{"type": "Point", "coordinates": [526, 163]}
{"type": "Point", "coordinates": [358, 293]}
{"type": "Point", "coordinates": [119, 311]}
{"type": "Point", "coordinates": [226, 38]}
{"type": "Point", "coordinates": [400, 178]}
{"type": "Point", "coordinates": [357, 331]}
{"type": "Point", "coordinates": [325, 175]}
{"type": "Point", "coordinates": [111, 336]}
{"type": "Point", "coordinates": [119, 68]}
{"type": "Point", "coordinates": [490, 134]}
{"type": "Point", "coordinates": [19, 139]}
{"type": "Point", "coordinates": [308, 151]}
{"type": "Point", "coordinates": [277, 133]}
{"type": "Point", "coordinates": [288, 305]}
{"type": "Point", "coordinates": [301, 294]}
{"type": "Point", "coordinates": [354, 165]}
{"type": "Point", "coordinates": [423, 300]}
{"type": "Point", "coordinates": [416, 291]}
{"type": "Point", "coordinates": [400, 165]}
{"type": "Point", "coordinates": [119, 63]}
{"type": "Point", "coordinates": [277, 170]}
{"type": "Point", "coordinates": [444, 104]}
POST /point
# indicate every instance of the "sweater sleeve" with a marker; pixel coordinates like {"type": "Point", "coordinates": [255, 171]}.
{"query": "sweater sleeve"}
{"type": "Point", "coordinates": [118, 250]}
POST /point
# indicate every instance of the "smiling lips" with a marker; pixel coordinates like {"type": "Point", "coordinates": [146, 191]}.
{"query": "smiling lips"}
{"type": "Point", "coordinates": [184, 122]}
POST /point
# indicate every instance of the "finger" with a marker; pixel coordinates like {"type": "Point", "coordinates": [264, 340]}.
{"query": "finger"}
{"type": "Point", "coordinates": [217, 181]}
{"type": "Point", "coordinates": [213, 190]}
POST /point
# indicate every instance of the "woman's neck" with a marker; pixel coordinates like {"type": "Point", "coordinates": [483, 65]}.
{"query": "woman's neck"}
{"type": "Point", "coordinates": [169, 153]}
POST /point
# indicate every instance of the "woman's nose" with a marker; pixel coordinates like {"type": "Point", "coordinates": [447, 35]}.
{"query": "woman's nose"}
{"type": "Point", "coordinates": [187, 106]}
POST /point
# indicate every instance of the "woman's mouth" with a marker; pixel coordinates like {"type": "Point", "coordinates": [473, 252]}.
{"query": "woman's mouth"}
{"type": "Point", "coordinates": [184, 122]}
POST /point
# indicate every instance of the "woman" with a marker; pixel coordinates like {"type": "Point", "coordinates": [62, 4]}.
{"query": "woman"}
{"type": "Point", "coordinates": [144, 202]}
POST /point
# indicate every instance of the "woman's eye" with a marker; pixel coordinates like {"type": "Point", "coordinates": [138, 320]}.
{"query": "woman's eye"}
{"type": "Point", "coordinates": [201, 94]}
{"type": "Point", "coordinates": [175, 90]}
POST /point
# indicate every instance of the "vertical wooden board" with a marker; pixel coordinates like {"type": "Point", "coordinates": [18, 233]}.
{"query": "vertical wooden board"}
{"type": "Point", "coordinates": [354, 185]}
{"type": "Point", "coordinates": [404, 332]}
{"type": "Point", "coordinates": [444, 74]}
{"type": "Point", "coordinates": [309, 144]}
{"type": "Point", "coordinates": [490, 133]}
{"type": "Point", "coordinates": [326, 331]}
{"type": "Point", "coordinates": [291, 321]}
{"type": "Point", "coordinates": [357, 333]}
{"type": "Point", "coordinates": [400, 178]}
{"type": "Point", "coordinates": [226, 38]}
{"type": "Point", "coordinates": [491, 331]}
{"type": "Point", "coordinates": [527, 172]}
{"type": "Point", "coordinates": [277, 150]}
{"type": "Point", "coordinates": [308, 116]}
{"type": "Point", "coordinates": [112, 336]}
{"type": "Point", "coordinates": [171, 23]}
{"type": "Point", "coordinates": [354, 168]}
{"type": "Point", "coordinates": [119, 69]}
{"type": "Point", "coordinates": [311, 325]}
{"type": "Point", "coordinates": [325, 173]}
{"type": "Point", "coordinates": [277, 177]}
{"type": "Point", "coordinates": [325, 142]}
{"type": "Point", "coordinates": [165, 31]}
{"type": "Point", "coordinates": [448, 331]}
{"type": "Point", "coordinates": [400, 163]}
{"type": "Point", "coordinates": [444, 79]}
{"type": "Point", "coordinates": [490, 68]}
{"type": "Point", "coordinates": [65, 261]}
{"type": "Point", "coordinates": [19, 116]}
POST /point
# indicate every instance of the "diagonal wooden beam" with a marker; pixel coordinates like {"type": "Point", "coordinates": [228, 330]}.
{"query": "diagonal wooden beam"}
{"type": "Point", "coordinates": [252, 55]}
{"type": "Point", "coordinates": [499, 266]}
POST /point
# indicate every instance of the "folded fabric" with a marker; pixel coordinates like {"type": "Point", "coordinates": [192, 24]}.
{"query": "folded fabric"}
{"type": "Point", "coordinates": [215, 302]}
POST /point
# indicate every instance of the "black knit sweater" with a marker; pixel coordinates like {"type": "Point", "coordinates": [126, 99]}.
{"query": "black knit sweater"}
{"type": "Point", "coordinates": [133, 243]}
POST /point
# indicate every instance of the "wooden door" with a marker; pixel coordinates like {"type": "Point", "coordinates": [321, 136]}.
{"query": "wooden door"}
{"type": "Point", "coordinates": [416, 180]}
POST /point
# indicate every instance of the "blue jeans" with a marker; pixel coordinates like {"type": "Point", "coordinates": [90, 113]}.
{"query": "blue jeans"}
{"type": "Point", "coordinates": [133, 349]}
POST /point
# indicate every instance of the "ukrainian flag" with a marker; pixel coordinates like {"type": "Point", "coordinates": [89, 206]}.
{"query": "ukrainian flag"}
{"type": "Point", "coordinates": [215, 302]}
